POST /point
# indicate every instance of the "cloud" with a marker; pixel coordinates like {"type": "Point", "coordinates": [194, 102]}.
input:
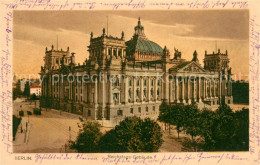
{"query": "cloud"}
{"type": "Point", "coordinates": [185, 30]}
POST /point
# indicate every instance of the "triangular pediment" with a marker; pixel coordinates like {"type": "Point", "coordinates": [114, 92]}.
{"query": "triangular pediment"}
{"type": "Point", "coordinates": [192, 67]}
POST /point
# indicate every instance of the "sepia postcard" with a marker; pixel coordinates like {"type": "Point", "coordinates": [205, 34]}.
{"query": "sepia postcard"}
{"type": "Point", "coordinates": [130, 82]}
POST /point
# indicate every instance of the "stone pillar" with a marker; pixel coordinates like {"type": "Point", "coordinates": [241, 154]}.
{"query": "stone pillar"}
{"type": "Point", "coordinates": [165, 87]}
{"type": "Point", "coordinates": [182, 90]}
{"type": "Point", "coordinates": [177, 90]}
{"type": "Point", "coordinates": [214, 88]}
{"type": "Point", "coordinates": [142, 89]}
{"type": "Point", "coordinates": [199, 89]}
{"type": "Point", "coordinates": [170, 91]}
{"type": "Point", "coordinates": [126, 89]}
{"type": "Point", "coordinates": [155, 88]}
{"type": "Point", "coordinates": [206, 88]}
{"type": "Point", "coordinates": [188, 91]}
{"type": "Point", "coordinates": [117, 52]}
{"type": "Point", "coordinates": [210, 90]}
{"type": "Point", "coordinates": [193, 90]}
{"type": "Point", "coordinates": [134, 90]}
{"type": "Point", "coordinates": [110, 91]}
{"type": "Point", "coordinates": [149, 88]}
{"type": "Point", "coordinates": [96, 91]}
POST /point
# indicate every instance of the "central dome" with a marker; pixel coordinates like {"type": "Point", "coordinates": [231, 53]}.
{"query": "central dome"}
{"type": "Point", "coordinates": [148, 46]}
{"type": "Point", "coordinates": [139, 48]}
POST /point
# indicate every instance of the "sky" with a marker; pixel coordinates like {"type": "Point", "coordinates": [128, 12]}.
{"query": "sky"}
{"type": "Point", "coordinates": [186, 30]}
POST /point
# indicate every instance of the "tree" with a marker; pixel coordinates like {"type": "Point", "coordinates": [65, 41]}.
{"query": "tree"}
{"type": "Point", "coordinates": [133, 135]}
{"type": "Point", "coordinates": [177, 117]}
{"type": "Point", "coordinates": [241, 137]}
{"type": "Point", "coordinates": [88, 138]}
{"type": "Point", "coordinates": [164, 113]}
{"type": "Point", "coordinates": [191, 120]}
{"type": "Point", "coordinates": [16, 93]}
{"type": "Point", "coordinates": [207, 120]}
{"type": "Point", "coordinates": [33, 97]}
{"type": "Point", "coordinates": [224, 130]}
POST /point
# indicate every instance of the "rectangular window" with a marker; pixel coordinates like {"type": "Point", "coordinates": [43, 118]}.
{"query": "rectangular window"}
{"type": "Point", "coordinates": [137, 82]}
{"type": "Point", "coordinates": [139, 109]}
{"type": "Point", "coordinates": [114, 52]}
{"type": "Point", "coordinates": [110, 51]}
{"type": "Point", "coordinates": [89, 112]}
{"type": "Point", "coordinates": [119, 112]}
{"type": "Point", "coordinates": [145, 82]}
{"type": "Point", "coordinates": [152, 83]}
{"type": "Point", "coordinates": [147, 109]}
{"type": "Point", "coordinates": [119, 52]}
{"type": "Point", "coordinates": [130, 82]}
{"type": "Point", "coordinates": [131, 110]}
{"type": "Point", "coordinates": [153, 108]}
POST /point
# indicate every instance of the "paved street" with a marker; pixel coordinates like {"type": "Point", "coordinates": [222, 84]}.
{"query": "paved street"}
{"type": "Point", "coordinates": [47, 133]}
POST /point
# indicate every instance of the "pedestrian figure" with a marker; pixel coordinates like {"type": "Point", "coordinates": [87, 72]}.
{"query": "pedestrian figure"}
{"type": "Point", "coordinates": [21, 129]}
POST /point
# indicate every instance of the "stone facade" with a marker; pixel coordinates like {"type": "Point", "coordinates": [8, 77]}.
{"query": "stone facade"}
{"type": "Point", "coordinates": [130, 78]}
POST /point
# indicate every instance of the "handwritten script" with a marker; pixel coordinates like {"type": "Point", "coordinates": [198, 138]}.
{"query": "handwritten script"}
{"type": "Point", "coordinates": [130, 4]}
{"type": "Point", "coordinates": [254, 89]}
{"type": "Point", "coordinates": [6, 83]}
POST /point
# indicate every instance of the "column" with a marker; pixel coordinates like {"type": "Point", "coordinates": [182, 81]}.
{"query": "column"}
{"type": "Point", "coordinates": [177, 89]}
{"type": "Point", "coordinates": [193, 90]}
{"type": "Point", "coordinates": [142, 88]}
{"type": "Point", "coordinates": [165, 87]}
{"type": "Point", "coordinates": [199, 90]}
{"type": "Point", "coordinates": [182, 90]}
{"type": "Point", "coordinates": [210, 94]}
{"type": "Point", "coordinates": [188, 91]}
{"type": "Point", "coordinates": [206, 88]}
{"type": "Point", "coordinates": [170, 91]}
{"type": "Point", "coordinates": [126, 89]}
{"type": "Point", "coordinates": [155, 88]}
{"type": "Point", "coordinates": [134, 89]}
{"type": "Point", "coordinates": [110, 90]}
{"type": "Point", "coordinates": [214, 89]}
{"type": "Point", "coordinates": [148, 91]}
{"type": "Point", "coordinates": [96, 90]}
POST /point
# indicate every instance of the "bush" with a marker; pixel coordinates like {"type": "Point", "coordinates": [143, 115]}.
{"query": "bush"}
{"type": "Point", "coordinates": [29, 113]}
{"type": "Point", "coordinates": [132, 135]}
{"type": "Point", "coordinates": [88, 138]}
{"type": "Point", "coordinates": [21, 113]}
{"type": "Point", "coordinates": [16, 123]}
{"type": "Point", "coordinates": [37, 111]}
